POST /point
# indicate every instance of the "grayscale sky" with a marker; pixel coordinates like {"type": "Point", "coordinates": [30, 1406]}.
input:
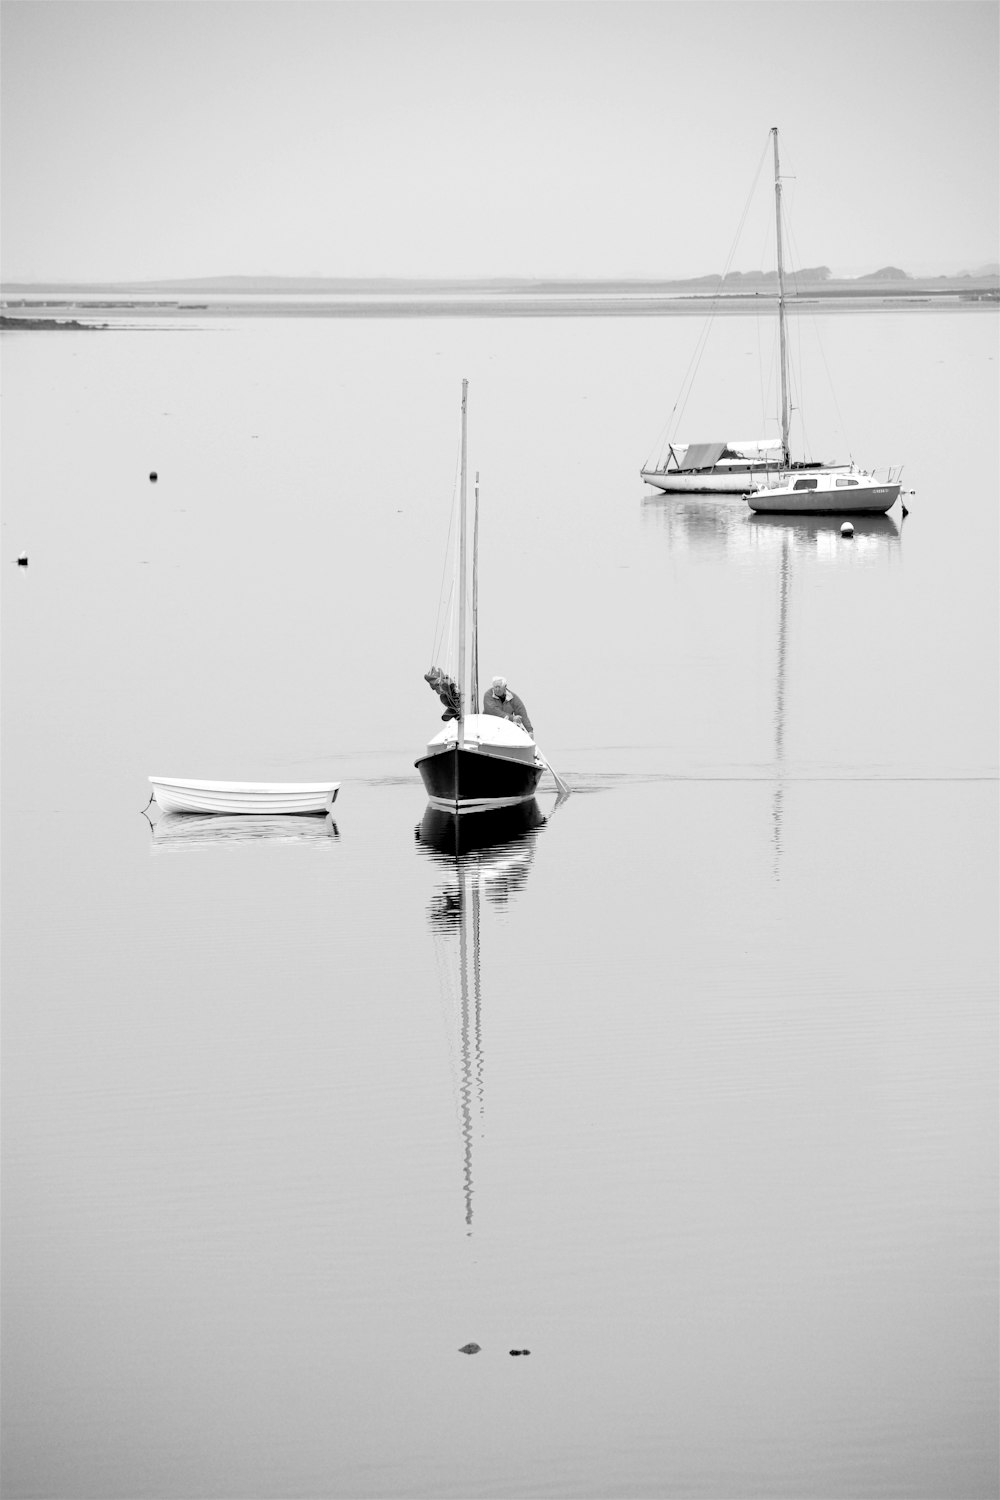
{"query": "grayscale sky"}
{"type": "Point", "coordinates": [161, 138]}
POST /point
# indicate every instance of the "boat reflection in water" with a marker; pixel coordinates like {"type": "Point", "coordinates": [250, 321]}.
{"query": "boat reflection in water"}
{"type": "Point", "coordinates": [782, 544]}
{"type": "Point", "coordinates": [727, 528]}
{"type": "Point", "coordinates": [820, 536]}
{"type": "Point", "coordinates": [484, 858]}
{"type": "Point", "coordinates": [173, 831]}
{"type": "Point", "coordinates": [810, 539]}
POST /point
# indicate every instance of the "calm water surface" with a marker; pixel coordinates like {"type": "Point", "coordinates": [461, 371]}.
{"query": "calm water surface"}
{"type": "Point", "coordinates": [688, 1086]}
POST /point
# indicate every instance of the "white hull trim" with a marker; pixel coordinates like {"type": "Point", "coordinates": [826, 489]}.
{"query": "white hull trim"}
{"type": "Point", "coordinates": [723, 482]}
{"type": "Point", "coordinates": [701, 484]}
{"type": "Point", "coordinates": [855, 502]}
{"type": "Point", "coordinates": [252, 798]}
{"type": "Point", "coordinates": [482, 804]}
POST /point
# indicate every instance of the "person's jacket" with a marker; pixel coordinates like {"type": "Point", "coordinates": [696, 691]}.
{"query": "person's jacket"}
{"type": "Point", "coordinates": [506, 708]}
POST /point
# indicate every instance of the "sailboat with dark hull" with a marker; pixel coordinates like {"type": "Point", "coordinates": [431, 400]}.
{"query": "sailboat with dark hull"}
{"type": "Point", "coordinates": [478, 768]}
{"type": "Point", "coordinates": [477, 761]}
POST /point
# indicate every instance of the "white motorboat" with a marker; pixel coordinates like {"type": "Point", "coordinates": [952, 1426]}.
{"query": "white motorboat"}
{"type": "Point", "coordinates": [254, 798]}
{"type": "Point", "coordinates": [764, 463]}
{"type": "Point", "coordinates": [828, 492]}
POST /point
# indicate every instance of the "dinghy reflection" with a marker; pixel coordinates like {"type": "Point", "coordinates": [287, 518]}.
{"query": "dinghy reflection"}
{"type": "Point", "coordinates": [175, 831]}
{"type": "Point", "coordinates": [485, 859]}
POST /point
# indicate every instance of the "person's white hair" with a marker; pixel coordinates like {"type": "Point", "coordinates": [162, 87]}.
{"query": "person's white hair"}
{"type": "Point", "coordinates": [499, 684]}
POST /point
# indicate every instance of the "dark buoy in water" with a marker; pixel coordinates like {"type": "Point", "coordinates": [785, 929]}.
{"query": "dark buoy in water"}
{"type": "Point", "coordinates": [153, 477]}
{"type": "Point", "coordinates": [470, 1349]}
{"type": "Point", "coordinates": [847, 529]}
{"type": "Point", "coordinates": [22, 559]}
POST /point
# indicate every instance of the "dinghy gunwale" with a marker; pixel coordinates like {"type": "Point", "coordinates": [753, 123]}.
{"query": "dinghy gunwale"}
{"type": "Point", "coordinates": [250, 798]}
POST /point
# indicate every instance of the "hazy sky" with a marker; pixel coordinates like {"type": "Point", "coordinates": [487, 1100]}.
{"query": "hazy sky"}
{"type": "Point", "coordinates": [155, 138]}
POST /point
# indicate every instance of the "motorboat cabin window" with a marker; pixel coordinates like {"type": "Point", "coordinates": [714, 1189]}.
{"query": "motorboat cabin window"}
{"type": "Point", "coordinates": [805, 484]}
{"type": "Point", "coordinates": [843, 483]}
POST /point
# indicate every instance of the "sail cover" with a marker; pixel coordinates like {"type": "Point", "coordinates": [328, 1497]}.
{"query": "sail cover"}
{"type": "Point", "coordinates": [703, 455]}
{"type": "Point", "coordinates": [762, 448]}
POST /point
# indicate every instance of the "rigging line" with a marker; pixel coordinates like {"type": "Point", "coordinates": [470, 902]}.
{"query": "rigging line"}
{"type": "Point", "coordinates": [833, 389]}
{"type": "Point", "coordinates": [441, 653]}
{"type": "Point", "coordinates": [822, 353]}
{"type": "Point", "coordinates": [688, 381]}
{"type": "Point", "coordinates": [765, 372]}
{"type": "Point", "coordinates": [829, 378]}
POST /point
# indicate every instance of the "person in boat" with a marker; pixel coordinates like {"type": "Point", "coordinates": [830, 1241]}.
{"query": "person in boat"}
{"type": "Point", "coordinates": [499, 700]}
{"type": "Point", "coordinates": [447, 691]}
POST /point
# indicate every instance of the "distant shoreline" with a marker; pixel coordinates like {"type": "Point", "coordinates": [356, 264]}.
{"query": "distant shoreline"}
{"type": "Point", "coordinates": [25, 305]}
{"type": "Point", "coordinates": [77, 313]}
{"type": "Point", "coordinates": [49, 323]}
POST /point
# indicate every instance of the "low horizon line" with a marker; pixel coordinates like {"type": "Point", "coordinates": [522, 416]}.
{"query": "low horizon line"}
{"type": "Point", "coordinates": [986, 269]}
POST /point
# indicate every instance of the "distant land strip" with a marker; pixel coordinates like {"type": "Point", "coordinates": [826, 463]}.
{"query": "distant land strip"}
{"type": "Point", "coordinates": [26, 305]}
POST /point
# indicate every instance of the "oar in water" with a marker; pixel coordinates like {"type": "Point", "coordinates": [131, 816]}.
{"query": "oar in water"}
{"type": "Point", "coordinates": [563, 788]}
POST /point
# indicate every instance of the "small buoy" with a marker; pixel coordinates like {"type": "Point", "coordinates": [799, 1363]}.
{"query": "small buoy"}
{"type": "Point", "coordinates": [153, 477]}
{"type": "Point", "coordinates": [847, 529]}
{"type": "Point", "coordinates": [470, 1349]}
{"type": "Point", "coordinates": [22, 559]}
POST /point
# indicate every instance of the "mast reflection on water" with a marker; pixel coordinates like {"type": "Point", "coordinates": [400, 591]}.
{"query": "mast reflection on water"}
{"type": "Point", "coordinates": [724, 528]}
{"type": "Point", "coordinates": [481, 855]}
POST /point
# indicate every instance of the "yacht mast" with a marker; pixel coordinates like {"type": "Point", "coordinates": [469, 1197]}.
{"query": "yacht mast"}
{"type": "Point", "coordinates": [474, 693]}
{"type": "Point", "coordinates": [781, 300]}
{"type": "Point", "coordinates": [461, 579]}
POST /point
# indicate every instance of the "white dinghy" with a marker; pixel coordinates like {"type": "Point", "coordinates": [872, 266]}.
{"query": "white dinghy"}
{"type": "Point", "coordinates": [255, 798]}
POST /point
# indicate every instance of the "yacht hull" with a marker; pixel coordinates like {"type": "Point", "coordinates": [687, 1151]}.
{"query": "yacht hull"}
{"type": "Point", "coordinates": [728, 483]}
{"type": "Point", "coordinates": [723, 481]}
{"type": "Point", "coordinates": [462, 780]}
{"type": "Point", "coordinates": [874, 501]}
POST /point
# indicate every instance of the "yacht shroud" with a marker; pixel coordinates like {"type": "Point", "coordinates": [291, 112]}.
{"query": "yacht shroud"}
{"type": "Point", "coordinates": [763, 469]}
{"type": "Point", "coordinates": [477, 761]}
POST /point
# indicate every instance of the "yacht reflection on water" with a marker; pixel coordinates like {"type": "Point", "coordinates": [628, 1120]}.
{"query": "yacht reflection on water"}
{"type": "Point", "coordinates": [819, 539]}
{"type": "Point", "coordinates": [497, 846]}
{"type": "Point", "coordinates": [481, 856]}
{"type": "Point", "coordinates": [820, 536]}
{"type": "Point", "coordinates": [726, 528]}
{"type": "Point", "coordinates": [174, 830]}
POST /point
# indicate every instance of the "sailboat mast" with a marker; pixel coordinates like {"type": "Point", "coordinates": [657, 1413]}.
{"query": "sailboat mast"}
{"type": "Point", "coordinates": [474, 695]}
{"type": "Point", "coordinates": [461, 576]}
{"type": "Point", "coordinates": [781, 299]}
